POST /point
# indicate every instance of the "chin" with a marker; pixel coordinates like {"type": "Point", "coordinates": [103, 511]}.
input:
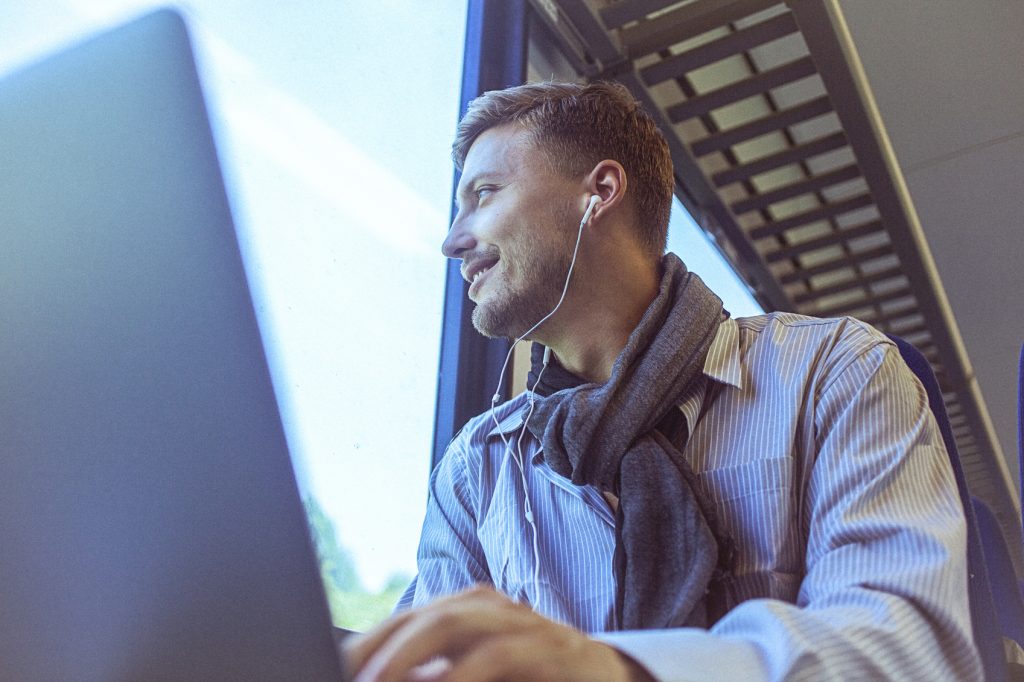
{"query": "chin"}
{"type": "Point", "coordinates": [498, 320]}
{"type": "Point", "coordinates": [486, 324]}
{"type": "Point", "coordinates": [509, 315]}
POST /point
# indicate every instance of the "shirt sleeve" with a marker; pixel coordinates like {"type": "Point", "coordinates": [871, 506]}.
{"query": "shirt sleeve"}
{"type": "Point", "coordinates": [884, 595]}
{"type": "Point", "coordinates": [450, 557]}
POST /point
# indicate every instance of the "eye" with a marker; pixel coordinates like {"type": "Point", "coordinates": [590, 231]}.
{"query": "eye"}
{"type": "Point", "coordinates": [483, 191]}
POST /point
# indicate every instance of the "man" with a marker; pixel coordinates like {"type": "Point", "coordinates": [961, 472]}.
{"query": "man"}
{"type": "Point", "coordinates": [680, 495]}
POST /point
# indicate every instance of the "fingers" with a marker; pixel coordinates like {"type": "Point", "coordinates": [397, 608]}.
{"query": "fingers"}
{"type": "Point", "coordinates": [448, 627]}
{"type": "Point", "coordinates": [359, 648]}
{"type": "Point", "coordinates": [434, 671]}
{"type": "Point", "coordinates": [502, 658]}
{"type": "Point", "coordinates": [553, 654]}
{"type": "Point", "coordinates": [481, 635]}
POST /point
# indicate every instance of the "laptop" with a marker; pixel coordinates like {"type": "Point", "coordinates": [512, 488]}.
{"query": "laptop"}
{"type": "Point", "coordinates": [150, 522]}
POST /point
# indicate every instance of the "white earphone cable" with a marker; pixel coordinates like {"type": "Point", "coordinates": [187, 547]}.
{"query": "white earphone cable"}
{"type": "Point", "coordinates": [517, 456]}
{"type": "Point", "coordinates": [572, 264]}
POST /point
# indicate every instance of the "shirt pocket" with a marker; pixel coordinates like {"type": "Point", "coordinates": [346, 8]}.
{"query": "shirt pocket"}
{"type": "Point", "coordinates": [758, 507]}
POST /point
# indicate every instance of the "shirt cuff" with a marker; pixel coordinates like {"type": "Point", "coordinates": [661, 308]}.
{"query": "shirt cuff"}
{"type": "Point", "coordinates": [688, 654]}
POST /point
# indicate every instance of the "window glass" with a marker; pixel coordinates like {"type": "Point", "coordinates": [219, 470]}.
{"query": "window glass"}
{"type": "Point", "coordinates": [335, 147]}
{"type": "Point", "coordinates": [688, 241]}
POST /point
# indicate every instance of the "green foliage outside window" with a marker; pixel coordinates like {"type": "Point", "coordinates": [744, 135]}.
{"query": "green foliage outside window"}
{"type": "Point", "coordinates": [352, 606]}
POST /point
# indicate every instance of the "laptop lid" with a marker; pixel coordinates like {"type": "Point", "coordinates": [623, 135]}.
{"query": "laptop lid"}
{"type": "Point", "coordinates": [150, 522]}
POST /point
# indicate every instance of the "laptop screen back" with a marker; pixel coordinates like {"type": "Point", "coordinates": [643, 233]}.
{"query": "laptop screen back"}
{"type": "Point", "coordinates": [150, 524]}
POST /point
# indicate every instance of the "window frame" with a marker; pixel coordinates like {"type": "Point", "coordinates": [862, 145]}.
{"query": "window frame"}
{"type": "Point", "coordinates": [495, 58]}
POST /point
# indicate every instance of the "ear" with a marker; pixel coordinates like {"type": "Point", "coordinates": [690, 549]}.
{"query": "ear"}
{"type": "Point", "coordinates": [608, 181]}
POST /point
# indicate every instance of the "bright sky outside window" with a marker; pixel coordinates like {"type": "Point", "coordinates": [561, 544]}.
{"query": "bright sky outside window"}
{"type": "Point", "coordinates": [335, 148]}
{"type": "Point", "coordinates": [701, 256]}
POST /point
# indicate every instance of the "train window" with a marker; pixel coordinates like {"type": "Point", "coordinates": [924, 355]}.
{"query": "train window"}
{"type": "Point", "coordinates": [335, 147]}
{"type": "Point", "coordinates": [700, 254]}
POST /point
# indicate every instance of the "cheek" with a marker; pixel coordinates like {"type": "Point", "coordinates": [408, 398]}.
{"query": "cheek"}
{"type": "Point", "coordinates": [490, 236]}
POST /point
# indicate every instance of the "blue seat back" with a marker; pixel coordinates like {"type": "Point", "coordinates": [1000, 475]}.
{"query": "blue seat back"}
{"type": "Point", "coordinates": [1010, 604]}
{"type": "Point", "coordinates": [984, 622]}
{"type": "Point", "coordinates": [1020, 430]}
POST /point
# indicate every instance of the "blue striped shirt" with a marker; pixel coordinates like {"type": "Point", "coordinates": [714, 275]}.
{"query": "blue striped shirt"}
{"type": "Point", "coordinates": [819, 450]}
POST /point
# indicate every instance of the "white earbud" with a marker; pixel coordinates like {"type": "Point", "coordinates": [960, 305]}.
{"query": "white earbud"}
{"type": "Point", "coordinates": [594, 201]}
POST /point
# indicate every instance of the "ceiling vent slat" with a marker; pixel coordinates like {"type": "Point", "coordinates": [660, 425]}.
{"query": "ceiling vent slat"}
{"type": "Point", "coordinates": [620, 13]}
{"type": "Point", "coordinates": [909, 330]}
{"type": "Point", "coordinates": [847, 307]}
{"type": "Point", "coordinates": [895, 318]}
{"type": "Point", "coordinates": [855, 283]}
{"type": "Point", "coordinates": [800, 152]}
{"type": "Point", "coordinates": [709, 53]}
{"type": "Point", "coordinates": [901, 321]}
{"type": "Point", "coordinates": [685, 22]}
{"type": "Point", "coordinates": [821, 213]}
{"type": "Point", "coordinates": [837, 264]}
{"type": "Point", "coordinates": [761, 126]}
{"type": "Point", "coordinates": [831, 239]}
{"type": "Point", "coordinates": [742, 89]}
{"type": "Point", "coordinates": [812, 184]}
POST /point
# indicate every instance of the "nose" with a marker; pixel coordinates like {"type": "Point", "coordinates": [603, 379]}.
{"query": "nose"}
{"type": "Point", "coordinates": [458, 241]}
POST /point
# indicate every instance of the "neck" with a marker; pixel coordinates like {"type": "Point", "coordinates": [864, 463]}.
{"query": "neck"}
{"type": "Point", "coordinates": [596, 327]}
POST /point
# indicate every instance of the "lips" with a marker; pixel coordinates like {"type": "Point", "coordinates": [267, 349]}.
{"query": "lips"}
{"type": "Point", "coordinates": [475, 271]}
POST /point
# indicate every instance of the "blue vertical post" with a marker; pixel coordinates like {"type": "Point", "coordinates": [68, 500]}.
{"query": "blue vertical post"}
{"type": "Point", "coordinates": [495, 58]}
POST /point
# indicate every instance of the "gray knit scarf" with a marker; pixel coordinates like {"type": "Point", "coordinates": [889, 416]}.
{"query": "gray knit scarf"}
{"type": "Point", "coordinates": [607, 435]}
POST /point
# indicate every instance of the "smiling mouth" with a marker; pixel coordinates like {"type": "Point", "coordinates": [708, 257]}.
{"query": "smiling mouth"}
{"type": "Point", "coordinates": [477, 282]}
{"type": "Point", "coordinates": [477, 279]}
{"type": "Point", "coordinates": [472, 270]}
{"type": "Point", "coordinates": [480, 274]}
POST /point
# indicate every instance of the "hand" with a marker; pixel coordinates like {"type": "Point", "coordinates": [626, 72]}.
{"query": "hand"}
{"type": "Point", "coordinates": [482, 635]}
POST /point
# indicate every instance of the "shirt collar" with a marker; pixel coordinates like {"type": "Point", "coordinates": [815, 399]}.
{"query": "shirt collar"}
{"type": "Point", "coordinates": [723, 361]}
{"type": "Point", "coordinates": [722, 365]}
{"type": "Point", "coordinates": [513, 420]}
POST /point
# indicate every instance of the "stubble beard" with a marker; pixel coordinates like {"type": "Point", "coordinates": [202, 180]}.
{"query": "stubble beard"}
{"type": "Point", "coordinates": [510, 313]}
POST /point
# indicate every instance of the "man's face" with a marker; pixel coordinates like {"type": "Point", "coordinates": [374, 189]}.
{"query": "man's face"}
{"type": "Point", "coordinates": [515, 231]}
